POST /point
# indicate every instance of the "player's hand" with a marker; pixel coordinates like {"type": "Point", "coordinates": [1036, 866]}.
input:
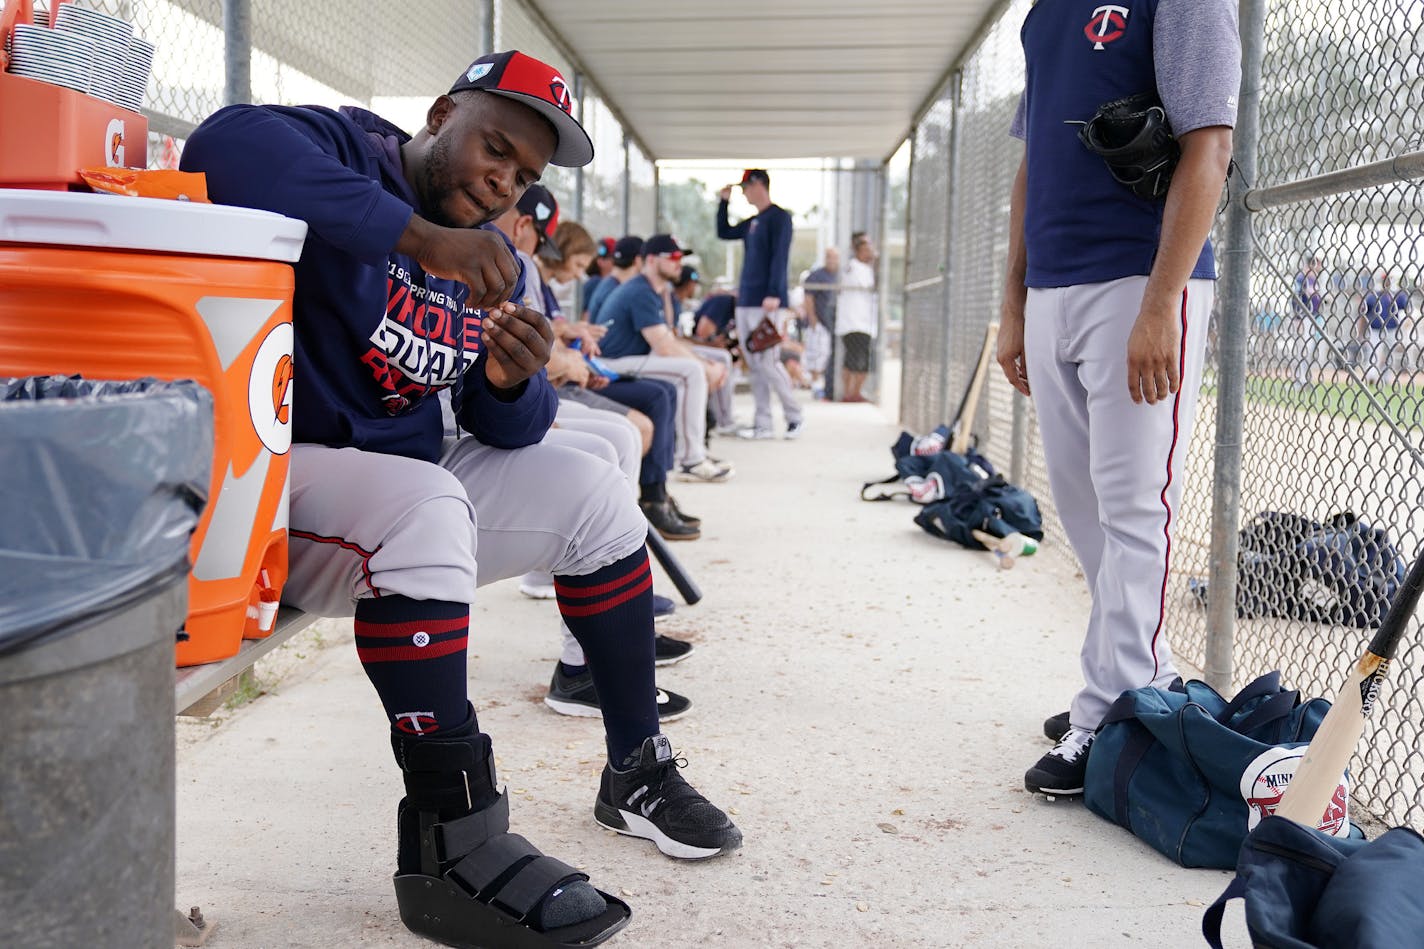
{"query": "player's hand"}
{"type": "Point", "coordinates": [1153, 351]}
{"type": "Point", "coordinates": [725, 194]}
{"type": "Point", "coordinates": [479, 259]}
{"type": "Point", "coordinates": [771, 304]}
{"type": "Point", "coordinates": [518, 342]}
{"type": "Point", "coordinates": [591, 333]}
{"type": "Point", "coordinates": [596, 381]}
{"type": "Point", "coordinates": [716, 374]}
{"type": "Point", "coordinates": [1010, 354]}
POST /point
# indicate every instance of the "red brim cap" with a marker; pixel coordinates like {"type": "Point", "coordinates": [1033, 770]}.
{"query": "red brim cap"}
{"type": "Point", "coordinates": [539, 86]}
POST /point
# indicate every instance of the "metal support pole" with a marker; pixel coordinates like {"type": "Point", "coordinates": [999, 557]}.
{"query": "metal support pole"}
{"type": "Point", "coordinates": [627, 187]}
{"type": "Point", "coordinates": [947, 288]}
{"type": "Point", "coordinates": [487, 25]}
{"type": "Point", "coordinates": [237, 51]}
{"type": "Point", "coordinates": [658, 224]}
{"type": "Point", "coordinates": [905, 281]}
{"type": "Point", "coordinates": [579, 90]}
{"type": "Point", "coordinates": [1234, 308]}
{"type": "Point", "coordinates": [881, 221]}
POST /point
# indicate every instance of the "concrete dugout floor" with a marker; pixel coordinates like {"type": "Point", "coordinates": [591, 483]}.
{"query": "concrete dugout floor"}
{"type": "Point", "coordinates": [866, 700]}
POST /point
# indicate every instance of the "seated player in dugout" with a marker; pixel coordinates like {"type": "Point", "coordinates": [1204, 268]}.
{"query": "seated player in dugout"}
{"type": "Point", "coordinates": [403, 290]}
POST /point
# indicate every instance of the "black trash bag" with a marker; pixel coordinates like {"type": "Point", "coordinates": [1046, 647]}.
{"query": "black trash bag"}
{"type": "Point", "coordinates": [101, 486]}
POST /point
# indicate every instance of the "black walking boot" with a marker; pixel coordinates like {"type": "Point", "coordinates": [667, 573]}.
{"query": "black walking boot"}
{"type": "Point", "coordinates": [462, 879]}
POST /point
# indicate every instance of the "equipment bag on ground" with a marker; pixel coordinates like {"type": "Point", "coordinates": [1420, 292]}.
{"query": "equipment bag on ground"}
{"type": "Point", "coordinates": [1191, 773]}
{"type": "Point", "coordinates": [1306, 890]}
{"type": "Point", "coordinates": [1344, 571]}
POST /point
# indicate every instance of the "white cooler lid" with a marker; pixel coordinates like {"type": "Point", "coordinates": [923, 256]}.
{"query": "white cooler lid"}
{"type": "Point", "coordinates": [116, 222]}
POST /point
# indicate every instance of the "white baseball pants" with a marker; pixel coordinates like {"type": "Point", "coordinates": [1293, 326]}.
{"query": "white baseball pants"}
{"type": "Point", "coordinates": [1115, 469]}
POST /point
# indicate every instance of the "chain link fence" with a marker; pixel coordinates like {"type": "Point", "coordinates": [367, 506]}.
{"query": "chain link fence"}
{"type": "Point", "coordinates": [1334, 387]}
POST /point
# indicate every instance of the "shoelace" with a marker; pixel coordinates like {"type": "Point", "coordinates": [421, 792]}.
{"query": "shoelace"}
{"type": "Point", "coordinates": [665, 785]}
{"type": "Point", "coordinates": [1072, 745]}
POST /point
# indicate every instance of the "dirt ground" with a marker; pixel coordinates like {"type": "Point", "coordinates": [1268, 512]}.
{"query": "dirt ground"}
{"type": "Point", "coordinates": [866, 700]}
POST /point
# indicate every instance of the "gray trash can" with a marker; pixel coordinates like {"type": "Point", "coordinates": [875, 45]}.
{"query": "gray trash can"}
{"type": "Point", "coordinates": [101, 485]}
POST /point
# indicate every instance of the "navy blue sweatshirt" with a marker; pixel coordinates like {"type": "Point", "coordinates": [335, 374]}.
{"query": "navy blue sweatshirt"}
{"type": "Point", "coordinates": [766, 252]}
{"type": "Point", "coordinates": [376, 337]}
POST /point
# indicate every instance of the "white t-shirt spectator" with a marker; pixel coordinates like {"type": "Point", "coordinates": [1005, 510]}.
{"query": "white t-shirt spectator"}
{"type": "Point", "coordinates": [855, 306]}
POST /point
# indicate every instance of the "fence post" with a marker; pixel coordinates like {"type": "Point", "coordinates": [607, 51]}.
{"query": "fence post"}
{"type": "Point", "coordinates": [905, 279]}
{"type": "Point", "coordinates": [1235, 326]}
{"type": "Point", "coordinates": [237, 51]}
{"type": "Point", "coordinates": [627, 188]}
{"type": "Point", "coordinates": [947, 267]}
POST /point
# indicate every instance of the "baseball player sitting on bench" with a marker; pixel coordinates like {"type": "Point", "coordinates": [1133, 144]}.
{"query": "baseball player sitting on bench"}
{"type": "Point", "coordinates": [389, 519]}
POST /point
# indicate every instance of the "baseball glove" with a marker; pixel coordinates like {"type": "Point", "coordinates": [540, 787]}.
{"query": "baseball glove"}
{"type": "Point", "coordinates": [1132, 136]}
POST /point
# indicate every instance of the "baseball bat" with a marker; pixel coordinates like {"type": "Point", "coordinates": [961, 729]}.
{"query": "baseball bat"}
{"type": "Point", "coordinates": [1318, 774]}
{"type": "Point", "coordinates": [997, 547]}
{"type": "Point", "coordinates": [686, 586]}
{"type": "Point", "coordinates": [964, 421]}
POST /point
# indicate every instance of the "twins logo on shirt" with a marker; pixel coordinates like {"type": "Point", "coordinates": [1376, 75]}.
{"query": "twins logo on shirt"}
{"type": "Point", "coordinates": [1108, 24]}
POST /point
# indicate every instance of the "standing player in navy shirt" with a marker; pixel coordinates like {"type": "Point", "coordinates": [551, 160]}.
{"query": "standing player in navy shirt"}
{"type": "Point", "coordinates": [766, 252]}
{"type": "Point", "coordinates": [402, 291]}
{"type": "Point", "coordinates": [1105, 314]}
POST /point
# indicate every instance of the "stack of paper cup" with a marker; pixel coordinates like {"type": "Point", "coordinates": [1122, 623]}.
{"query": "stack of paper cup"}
{"type": "Point", "coordinates": [137, 65]}
{"type": "Point", "coordinates": [110, 36]}
{"type": "Point", "coordinates": [51, 56]}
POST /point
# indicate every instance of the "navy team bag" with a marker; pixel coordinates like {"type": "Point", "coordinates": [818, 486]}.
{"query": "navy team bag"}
{"type": "Point", "coordinates": [1191, 773]}
{"type": "Point", "coordinates": [1306, 890]}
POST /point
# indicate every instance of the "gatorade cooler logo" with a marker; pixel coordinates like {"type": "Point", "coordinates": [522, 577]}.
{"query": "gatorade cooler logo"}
{"type": "Point", "coordinates": [114, 143]}
{"type": "Point", "coordinates": [269, 390]}
{"type": "Point", "coordinates": [1265, 780]}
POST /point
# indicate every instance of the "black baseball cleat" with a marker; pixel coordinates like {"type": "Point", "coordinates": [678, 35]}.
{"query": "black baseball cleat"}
{"type": "Point", "coordinates": [1056, 726]}
{"type": "Point", "coordinates": [1061, 772]}
{"type": "Point", "coordinates": [648, 798]}
{"type": "Point", "coordinates": [668, 651]}
{"type": "Point", "coordinates": [576, 696]}
{"type": "Point", "coordinates": [666, 522]}
{"type": "Point", "coordinates": [687, 518]}
{"type": "Point", "coordinates": [663, 607]}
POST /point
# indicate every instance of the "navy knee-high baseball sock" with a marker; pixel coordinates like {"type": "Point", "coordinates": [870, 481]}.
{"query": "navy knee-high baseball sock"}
{"type": "Point", "coordinates": [413, 652]}
{"type": "Point", "coordinates": [610, 613]}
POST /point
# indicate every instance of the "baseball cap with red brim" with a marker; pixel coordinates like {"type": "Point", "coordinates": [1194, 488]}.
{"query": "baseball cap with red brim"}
{"type": "Point", "coordinates": [663, 245]}
{"type": "Point", "coordinates": [538, 85]}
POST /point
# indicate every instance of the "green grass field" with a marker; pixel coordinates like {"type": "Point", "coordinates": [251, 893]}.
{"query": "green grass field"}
{"type": "Point", "coordinates": [1404, 400]}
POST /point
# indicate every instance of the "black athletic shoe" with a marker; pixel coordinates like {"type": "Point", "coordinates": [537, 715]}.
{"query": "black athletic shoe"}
{"type": "Point", "coordinates": [650, 799]}
{"type": "Point", "coordinates": [1055, 727]}
{"type": "Point", "coordinates": [1060, 773]}
{"type": "Point", "coordinates": [666, 522]}
{"type": "Point", "coordinates": [667, 650]}
{"type": "Point", "coordinates": [663, 606]}
{"type": "Point", "coordinates": [576, 696]}
{"type": "Point", "coordinates": [688, 519]}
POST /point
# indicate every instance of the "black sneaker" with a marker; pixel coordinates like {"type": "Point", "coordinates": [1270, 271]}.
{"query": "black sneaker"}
{"type": "Point", "coordinates": [650, 799]}
{"type": "Point", "coordinates": [1060, 773]}
{"type": "Point", "coordinates": [666, 522]}
{"type": "Point", "coordinates": [667, 651]}
{"type": "Point", "coordinates": [1055, 727]}
{"type": "Point", "coordinates": [687, 518]}
{"type": "Point", "coordinates": [663, 606]}
{"type": "Point", "coordinates": [576, 696]}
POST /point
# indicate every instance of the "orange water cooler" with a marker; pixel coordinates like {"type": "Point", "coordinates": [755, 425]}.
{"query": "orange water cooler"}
{"type": "Point", "coordinates": [122, 288]}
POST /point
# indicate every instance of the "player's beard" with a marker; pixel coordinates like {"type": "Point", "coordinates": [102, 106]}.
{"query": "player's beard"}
{"type": "Point", "coordinates": [433, 190]}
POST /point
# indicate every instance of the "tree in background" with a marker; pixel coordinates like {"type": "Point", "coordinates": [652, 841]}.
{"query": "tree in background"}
{"type": "Point", "coordinates": [688, 210]}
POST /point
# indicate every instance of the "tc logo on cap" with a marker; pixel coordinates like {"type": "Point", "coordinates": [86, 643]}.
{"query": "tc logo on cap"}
{"type": "Point", "coordinates": [560, 91]}
{"type": "Point", "coordinates": [478, 71]}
